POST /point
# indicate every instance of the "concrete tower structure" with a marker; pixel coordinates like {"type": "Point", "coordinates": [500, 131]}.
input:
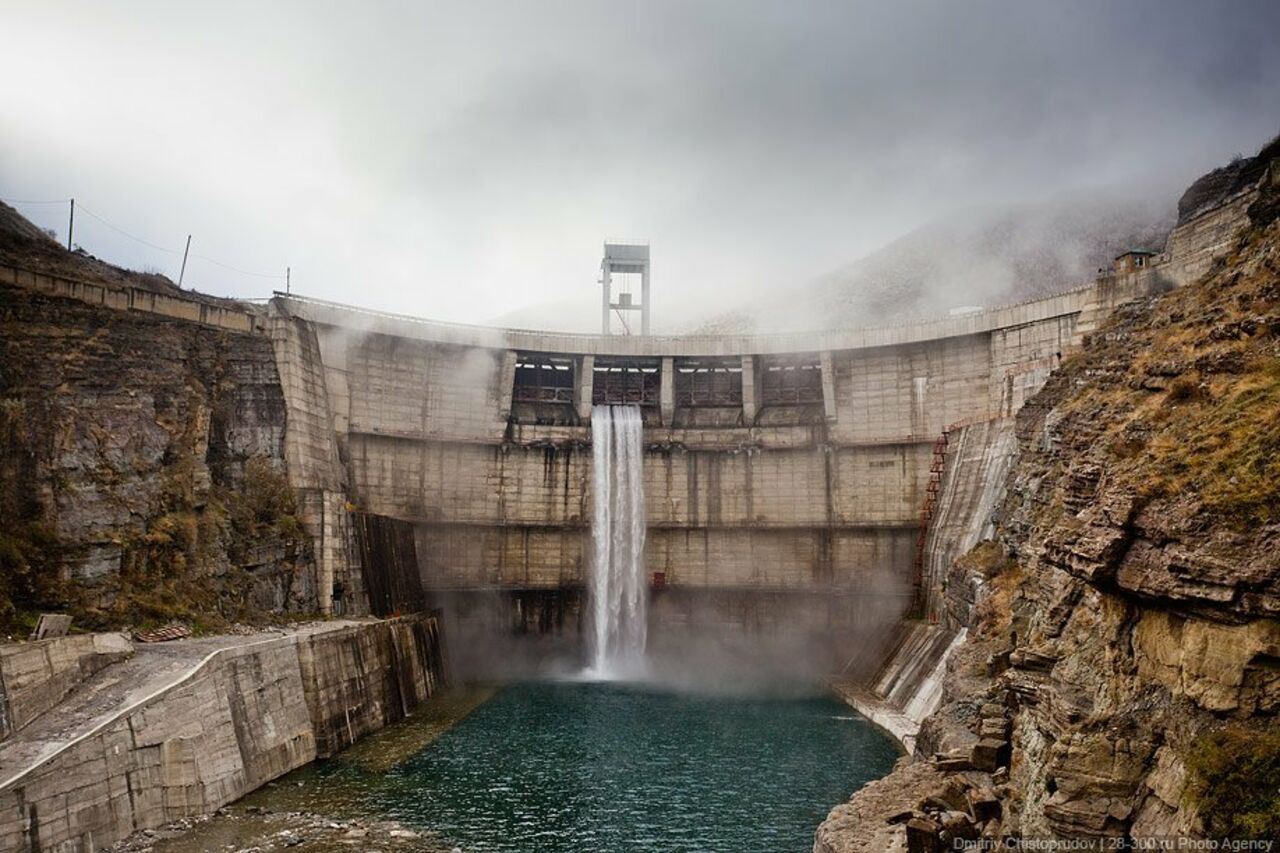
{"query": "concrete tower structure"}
{"type": "Point", "coordinates": [624, 258]}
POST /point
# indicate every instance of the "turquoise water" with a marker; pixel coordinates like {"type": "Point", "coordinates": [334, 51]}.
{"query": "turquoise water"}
{"type": "Point", "coordinates": [605, 767]}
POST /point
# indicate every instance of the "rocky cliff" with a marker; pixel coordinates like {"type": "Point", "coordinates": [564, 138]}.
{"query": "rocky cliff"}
{"type": "Point", "coordinates": [141, 469]}
{"type": "Point", "coordinates": [1121, 672]}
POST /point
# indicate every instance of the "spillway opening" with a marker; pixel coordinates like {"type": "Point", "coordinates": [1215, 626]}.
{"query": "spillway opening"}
{"type": "Point", "coordinates": [617, 593]}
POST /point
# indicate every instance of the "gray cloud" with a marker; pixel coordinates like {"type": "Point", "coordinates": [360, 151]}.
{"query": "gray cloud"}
{"type": "Point", "coordinates": [459, 161]}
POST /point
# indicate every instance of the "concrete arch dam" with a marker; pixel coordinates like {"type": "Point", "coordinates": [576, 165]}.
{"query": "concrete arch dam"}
{"type": "Point", "coordinates": [784, 476]}
{"type": "Point", "coordinates": [797, 486]}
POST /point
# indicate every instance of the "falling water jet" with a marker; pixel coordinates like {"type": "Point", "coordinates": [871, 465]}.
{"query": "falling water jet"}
{"type": "Point", "coordinates": [618, 597]}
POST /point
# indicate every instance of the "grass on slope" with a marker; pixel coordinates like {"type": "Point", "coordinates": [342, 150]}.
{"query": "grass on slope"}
{"type": "Point", "coordinates": [1192, 399]}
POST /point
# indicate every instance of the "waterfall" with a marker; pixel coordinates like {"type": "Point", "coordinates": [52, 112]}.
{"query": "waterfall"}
{"type": "Point", "coordinates": [617, 595]}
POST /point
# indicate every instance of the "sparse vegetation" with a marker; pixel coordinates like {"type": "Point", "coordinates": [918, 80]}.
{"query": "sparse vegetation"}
{"type": "Point", "coordinates": [29, 577]}
{"type": "Point", "coordinates": [1235, 781]}
{"type": "Point", "coordinates": [30, 552]}
{"type": "Point", "coordinates": [265, 503]}
{"type": "Point", "coordinates": [188, 564]}
{"type": "Point", "coordinates": [994, 613]}
{"type": "Point", "coordinates": [1226, 449]}
{"type": "Point", "coordinates": [987, 559]}
{"type": "Point", "coordinates": [1188, 406]}
{"type": "Point", "coordinates": [185, 564]}
{"type": "Point", "coordinates": [1185, 389]}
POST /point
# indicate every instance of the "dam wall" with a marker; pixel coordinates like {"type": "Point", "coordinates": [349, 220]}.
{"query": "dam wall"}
{"type": "Point", "coordinates": [245, 714]}
{"type": "Point", "coordinates": [811, 485]}
{"type": "Point", "coordinates": [783, 481]}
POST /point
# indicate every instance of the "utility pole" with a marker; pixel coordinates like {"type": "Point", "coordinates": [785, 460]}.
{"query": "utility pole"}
{"type": "Point", "coordinates": [286, 280]}
{"type": "Point", "coordinates": [183, 272]}
{"type": "Point", "coordinates": [71, 225]}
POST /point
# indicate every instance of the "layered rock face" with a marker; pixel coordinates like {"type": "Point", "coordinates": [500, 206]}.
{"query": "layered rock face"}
{"type": "Point", "coordinates": [1123, 626]}
{"type": "Point", "coordinates": [1144, 516]}
{"type": "Point", "coordinates": [142, 468]}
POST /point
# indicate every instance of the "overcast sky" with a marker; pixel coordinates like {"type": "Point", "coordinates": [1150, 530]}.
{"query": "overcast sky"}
{"type": "Point", "coordinates": [460, 161]}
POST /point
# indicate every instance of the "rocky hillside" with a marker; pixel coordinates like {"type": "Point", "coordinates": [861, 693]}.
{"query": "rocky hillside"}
{"type": "Point", "coordinates": [141, 470]}
{"type": "Point", "coordinates": [141, 459]}
{"type": "Point", "coordinates": [25, 246]}
{"type": "Point", "coordinates": [1121, 677]}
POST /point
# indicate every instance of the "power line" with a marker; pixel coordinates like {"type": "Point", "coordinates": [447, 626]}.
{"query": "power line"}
{"type": "Point", "coordinates": [234, 269]}
{"type": "Point", "coordinates": [148, 243]}
{"type": "Point", "coordinates": [127, 234]}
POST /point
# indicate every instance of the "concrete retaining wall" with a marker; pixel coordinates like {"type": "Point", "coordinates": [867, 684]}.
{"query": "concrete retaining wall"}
{"type": "Point", "coordinates": [124, 298]}
{"type": "Point", "coordinates": [315, 470]}
{"type": "Point", "coordinates": [1194, 245]}
{"type": "Point", "coordinates": [244, 716]}
{"type": "Point", "coordinates": [978, 460]}
{"type": "Point", "coordinates": [36, 676]}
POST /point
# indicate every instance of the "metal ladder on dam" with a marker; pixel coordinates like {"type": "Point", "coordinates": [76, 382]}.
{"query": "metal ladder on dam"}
{"type": "Point", "coordinates": [932, 491]}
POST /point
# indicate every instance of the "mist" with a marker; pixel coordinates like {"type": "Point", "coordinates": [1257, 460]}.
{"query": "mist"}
{"type": "Point", "coordinates": [466, 163]}
{"type": "Point", "coordinates": [700, 641]}
{"type": "Point", "coordinates": [978, 257]}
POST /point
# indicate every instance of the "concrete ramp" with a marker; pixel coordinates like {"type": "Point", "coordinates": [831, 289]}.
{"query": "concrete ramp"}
{"type": "Point", "coordinates": [184, 728]}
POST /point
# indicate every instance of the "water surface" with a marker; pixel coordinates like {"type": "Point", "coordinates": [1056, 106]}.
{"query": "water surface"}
{"type": "Point", "coordinates": [606, 767]}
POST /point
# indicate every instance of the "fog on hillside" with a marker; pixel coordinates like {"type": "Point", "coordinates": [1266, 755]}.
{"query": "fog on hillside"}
{"type": "Point", "coordinates": [976, 257]}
